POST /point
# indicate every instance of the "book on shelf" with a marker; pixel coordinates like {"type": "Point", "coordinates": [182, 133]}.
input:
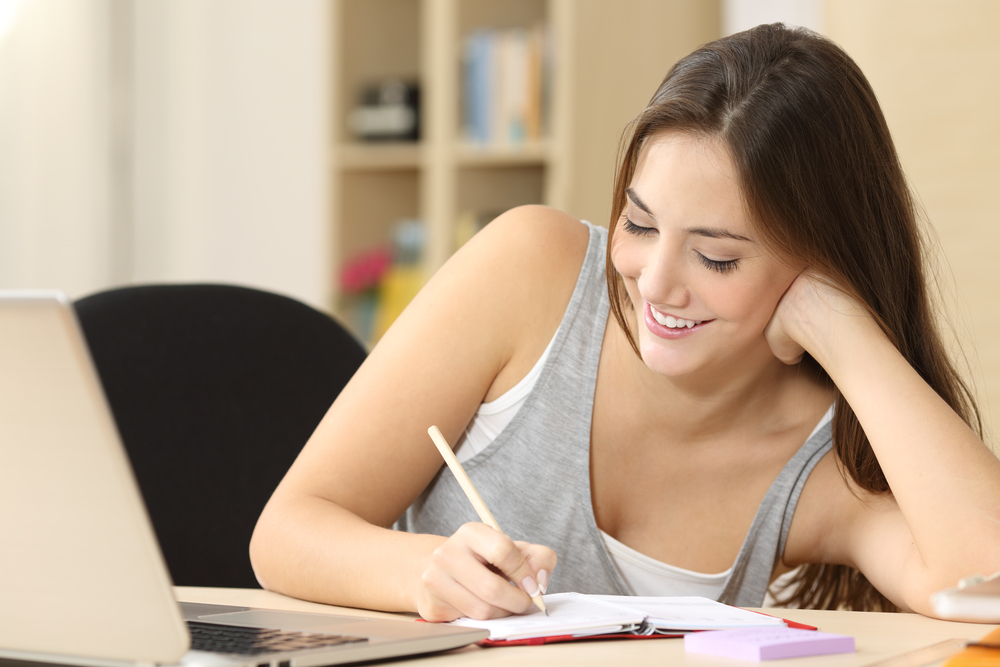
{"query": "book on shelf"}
{"type": "Point", "coordinates": [577, 616]}
{"type": "Point", "coordinates": [504, 85]}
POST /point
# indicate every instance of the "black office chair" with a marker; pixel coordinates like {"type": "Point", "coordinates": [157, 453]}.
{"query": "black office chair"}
{"type": "Point", "coordinates": [215, 389]}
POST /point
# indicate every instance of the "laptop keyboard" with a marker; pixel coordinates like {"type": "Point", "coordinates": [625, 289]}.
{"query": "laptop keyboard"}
{"type": "Point", "coordinates": [255, 641]}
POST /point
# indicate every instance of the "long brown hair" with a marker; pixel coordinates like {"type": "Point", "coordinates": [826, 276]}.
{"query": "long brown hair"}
{"type": "Point", "coordinates": [822, 183]}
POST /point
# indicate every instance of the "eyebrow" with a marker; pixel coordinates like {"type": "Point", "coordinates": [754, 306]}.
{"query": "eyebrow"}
{"type": "Point", "coordinates": [631, 194]}
{"type": "Point", "coordinates": [710, 232]}
{"type": "Point", "coordinates": [716, 233]}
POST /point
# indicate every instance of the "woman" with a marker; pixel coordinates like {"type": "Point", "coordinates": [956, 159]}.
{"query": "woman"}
{"type": "Point", "coordinates": [741, 377]}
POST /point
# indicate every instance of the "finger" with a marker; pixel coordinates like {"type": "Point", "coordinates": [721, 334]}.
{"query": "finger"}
{"type": "Point", "coordinates": [489, 597]}
{"type": "Point", "coordinates": [542, 560]}
{"type": "Point", "coordinates": [494, 548]}
{"type": "Point", "coordinates": [465, 557]}
{"type": "Point", "coordinates": [512, 562]}
{"type": "Point", "coordinates": [494, 589]}
{"type": "Point", "coordinates": [447, 600]}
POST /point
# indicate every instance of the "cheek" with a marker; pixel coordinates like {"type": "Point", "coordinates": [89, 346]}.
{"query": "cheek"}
{"type": "Point", "coordinates": [624, 257]}
{"type": "Point", "coordinates": [755, 300]}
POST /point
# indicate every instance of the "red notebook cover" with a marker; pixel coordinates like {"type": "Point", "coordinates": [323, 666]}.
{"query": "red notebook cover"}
{"type": "Point", "coordinates": [555, 639]}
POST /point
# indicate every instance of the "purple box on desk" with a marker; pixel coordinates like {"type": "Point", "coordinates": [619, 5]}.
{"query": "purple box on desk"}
{"type": "Point", "coordinates": [767, 643]}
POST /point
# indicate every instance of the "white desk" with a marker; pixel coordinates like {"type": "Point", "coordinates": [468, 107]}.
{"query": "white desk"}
{"type": "Point", "coordinates": [877, 637]}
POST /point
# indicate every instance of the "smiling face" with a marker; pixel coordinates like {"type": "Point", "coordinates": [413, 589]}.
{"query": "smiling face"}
{"type": "Point", "coordinates": [701, 287]}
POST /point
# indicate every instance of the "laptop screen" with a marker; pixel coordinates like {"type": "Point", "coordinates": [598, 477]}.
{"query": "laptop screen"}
{"type": "Point", "coordinates": [80, 570]}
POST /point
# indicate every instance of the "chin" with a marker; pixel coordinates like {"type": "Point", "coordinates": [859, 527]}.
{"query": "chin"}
{"type": "Point", "coordinates": [667, 363]}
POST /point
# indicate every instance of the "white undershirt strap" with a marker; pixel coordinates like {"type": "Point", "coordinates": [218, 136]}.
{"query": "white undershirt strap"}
{"type": "Point", "coordinates": [493, 417]}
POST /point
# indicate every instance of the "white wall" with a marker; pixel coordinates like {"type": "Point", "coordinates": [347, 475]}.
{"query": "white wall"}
{"type": "Point", "coordinates": [740, 15]}
{"type": "Point", "coordinates": [55, 161]}
{"type": "Point", "coordinates": [231, 127]}
{"type": "Point", "coordinates": [165, 140]}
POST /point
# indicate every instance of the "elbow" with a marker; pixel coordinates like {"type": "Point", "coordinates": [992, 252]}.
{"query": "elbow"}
{"type": "Point", "coordinates": [254, 565]}
{"type": "Point", "coordinates": [260, 551]}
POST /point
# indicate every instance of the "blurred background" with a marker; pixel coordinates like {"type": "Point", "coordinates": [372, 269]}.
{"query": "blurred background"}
{"type": "Point", "coordinates": [338, 151]}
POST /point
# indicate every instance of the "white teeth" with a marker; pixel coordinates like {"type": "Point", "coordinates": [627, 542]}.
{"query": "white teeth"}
{"type": "Point", "coordinates": [671, 321]}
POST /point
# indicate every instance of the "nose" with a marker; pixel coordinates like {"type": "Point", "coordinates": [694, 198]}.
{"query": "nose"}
{"type": "Point", "coordinates": [663, 283]}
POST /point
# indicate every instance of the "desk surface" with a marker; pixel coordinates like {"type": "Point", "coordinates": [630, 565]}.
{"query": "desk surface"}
{"type": "Point", "coordinates": [877, 637]}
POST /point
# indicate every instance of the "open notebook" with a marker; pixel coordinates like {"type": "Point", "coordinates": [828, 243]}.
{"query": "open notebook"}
{"type": "Point", "coordinates": [573, 615]}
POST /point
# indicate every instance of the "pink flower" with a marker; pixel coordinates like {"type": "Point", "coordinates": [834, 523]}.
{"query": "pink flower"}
{"type": "Point", "coordinates": [364, 270]}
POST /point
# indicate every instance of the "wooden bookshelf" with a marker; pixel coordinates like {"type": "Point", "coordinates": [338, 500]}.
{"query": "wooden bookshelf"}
{"type": "Point", "coordinates": [358, 156]}
{"type": "Point", "coordinates": [605, 64]}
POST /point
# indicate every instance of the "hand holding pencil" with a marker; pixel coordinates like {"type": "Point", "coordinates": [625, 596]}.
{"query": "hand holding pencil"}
{"type": "Point", "coordinates": [477, 502]}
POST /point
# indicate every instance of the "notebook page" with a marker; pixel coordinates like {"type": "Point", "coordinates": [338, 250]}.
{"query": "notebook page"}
{"type": "Point", "coordinates": [569, 614]}
{"type": "Point", "coordinates": [690, 613]}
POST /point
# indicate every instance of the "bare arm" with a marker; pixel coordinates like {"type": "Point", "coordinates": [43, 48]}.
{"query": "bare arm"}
{"type": "Point", "coordinates": [325, 534]}
{"type": "Point", "coordinates": [942, 520]}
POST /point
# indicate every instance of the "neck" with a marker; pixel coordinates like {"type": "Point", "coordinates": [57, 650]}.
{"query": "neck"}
{"type": "Point", "coordinates": [758, 392]}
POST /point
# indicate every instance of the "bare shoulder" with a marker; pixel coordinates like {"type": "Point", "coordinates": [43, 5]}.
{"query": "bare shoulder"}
{"type": "Point", "coordinates": [530, 243]}
{"type": "Point", "coordinates": [518, 273]}
{"type": "Point", "coordinates": [826, 501]}
{"type": "Point", "coordinates": [838, 522]}
{"type": "Point", "coordinates": [521, 263]}
{"type": "Point", "coordinates": [830, 511]}
{"type": "Point", "coordinates": [525, 265]}
{"type": "Point", "coordinates": [500, 294]}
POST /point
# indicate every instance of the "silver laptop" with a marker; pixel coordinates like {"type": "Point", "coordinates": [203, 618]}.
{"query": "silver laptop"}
{"type": "Point", "coordinates": [82, 579]}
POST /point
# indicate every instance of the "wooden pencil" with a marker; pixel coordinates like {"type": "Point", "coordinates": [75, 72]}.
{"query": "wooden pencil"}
{"type": "Point", "coordinates": [470, 492]}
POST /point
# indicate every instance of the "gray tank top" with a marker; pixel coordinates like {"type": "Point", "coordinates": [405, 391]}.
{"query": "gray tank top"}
{"type": "Point", "coordinates": [535, 476]}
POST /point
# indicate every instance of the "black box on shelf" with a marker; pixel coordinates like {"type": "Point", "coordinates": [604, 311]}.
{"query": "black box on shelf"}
{"type": "Point", "coordinates": [387, 111]}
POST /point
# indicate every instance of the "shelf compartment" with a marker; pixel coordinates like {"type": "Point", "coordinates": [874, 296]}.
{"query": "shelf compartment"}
{"type": "Point", "coordinates": [378, 40]}
{"type": "Point", "coordinates": [358, 156]}
{"type": "Point", "coordinates": [499, 188]}
{"type": "Point", "coordinates": [528, 154]}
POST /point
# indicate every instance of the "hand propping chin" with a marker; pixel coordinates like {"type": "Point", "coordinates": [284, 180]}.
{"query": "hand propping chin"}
{"type": "Point", "coordinates": [807, 317]}
{"type": "Point", "coordinates": [782, 345]}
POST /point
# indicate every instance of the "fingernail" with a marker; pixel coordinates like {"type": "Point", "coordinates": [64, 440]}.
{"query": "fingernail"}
{"type": "Point", "coordinates": [529, 586]}
{"type": "Point", "coordinates": [543, 580]}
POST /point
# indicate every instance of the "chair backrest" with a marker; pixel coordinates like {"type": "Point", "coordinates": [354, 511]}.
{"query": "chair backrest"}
{"type": "Point", "coordinates": [215, 389]}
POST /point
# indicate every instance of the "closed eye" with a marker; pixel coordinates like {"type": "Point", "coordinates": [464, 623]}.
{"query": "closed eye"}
{"type": "Point", "coordinates": [724, 267]}
{"type": "Point", "coordinates": [633, 228]}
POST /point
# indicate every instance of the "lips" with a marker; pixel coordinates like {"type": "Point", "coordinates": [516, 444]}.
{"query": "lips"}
{"type": "Point", "coordinates": [660, 325]}
{"type": "Point", "coordinates": [673, 322]}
